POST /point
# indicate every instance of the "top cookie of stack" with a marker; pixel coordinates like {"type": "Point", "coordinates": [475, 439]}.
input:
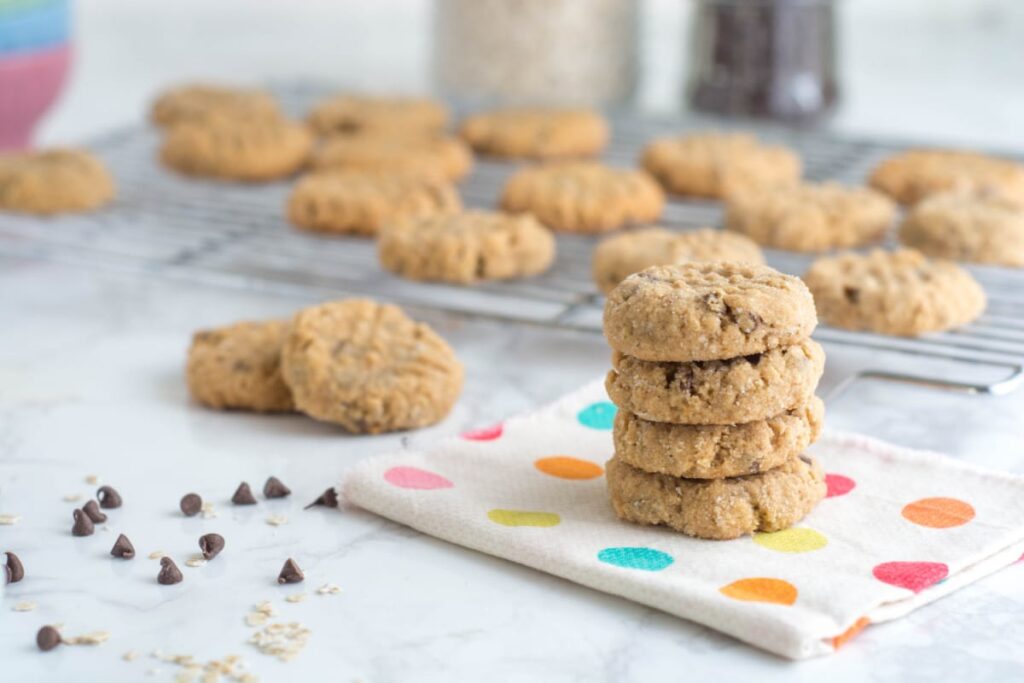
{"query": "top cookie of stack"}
{"type": "Point", "coordinates": [714, 376]}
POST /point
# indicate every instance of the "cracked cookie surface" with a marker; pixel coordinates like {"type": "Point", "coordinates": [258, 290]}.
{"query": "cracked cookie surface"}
{"type": "Point", "coordinates": [909, 177]}
{"type": "Point", "coordinates": [53, 181]}
{"type": "Point", "coordinates": [376, 114]}
{"type": "Point", "coordinates": [707, 311]}
{"type": "Point", "coordinates": [536, 133]}
{"type": "Point", "coordinates": [433, 155]}
{"type": "Point", "coordinates": [719, 509]}
{"type": "Point", "coordinates": [966, 228]}
{"type": "Point", "coordinates": [197, 103]}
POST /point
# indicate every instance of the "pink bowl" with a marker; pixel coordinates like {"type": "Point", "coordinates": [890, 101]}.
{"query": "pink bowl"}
{"type": "Point", "coordinates": [29, 84]}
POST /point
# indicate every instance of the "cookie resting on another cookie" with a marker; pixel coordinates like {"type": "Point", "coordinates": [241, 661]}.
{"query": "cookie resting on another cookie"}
{"type": "Point", "coordinates": [716, 165]}
{"type": "Point", "coordinates": [909, 177]}
{"type": "Point", "coordinates": [369, 368]}
{"type": "Point", "coordinates": [368, 113]}
{"type": "Point", "coordinates": [718, 509]}
{"type": "Point", "coordinates": [200, 102]}
{"type": "Point", "coordinates": [239, 366]}
{"type": "Point", "coordinates": [583, 196]}
{"type": "Point", "coordinates": [250, 150]}
{"type": "Point", "coordinates": [53, 181]}
{"type": "Point", "coordinates": [536, 133]}
{"type": "Point", "coordinates": [966, 228]}
{"type": "Point", "coordinates": [618, 257]}
{"type": "Point", "coordinates": [443, 157]}
{"type": "Point", "coordinates": [351, 202]}
{"type": "Point", "coordinates": [811, 217]}
{"type": "Point", "coordinates": [466, 247]}
{"type": "Point", "coordinates": [900, 293]}
{"type": "Point", "coordinates": [707, 311]}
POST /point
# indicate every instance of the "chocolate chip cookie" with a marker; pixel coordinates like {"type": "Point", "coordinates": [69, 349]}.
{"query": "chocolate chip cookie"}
{"type": "Point", "coordinates": [53, 181]}
{"type": "Point", "coordinates": [811, 217]}
{"type": "Point", "coordinates": [466, 247]}
{"type": "Point", "coordinates": [618, 257]}
{"type": "Point", "coordinates": [966, 228]}
{"type": "Point", "coordinates": [583, 196]}
{"type": "Point", "coordinates": [718, 509]}
{"type": "Point", "coordinates": [901, 292]}
{"type": "Point", "coordinates": [239, 366]}
{"type": "Point", "coordinates": [200, 102]}
{"type": "Point", "coordinates": [376, 114]}
{"type": "Point", "coordinates": [911, 176]}
{"type": "Point", "coordinates": [536, 133]}
{"type": "Point", "coordinates": [360, 202]}
{"type": "Point", "coordinates": [707, 311]}
{"type": "Point", "coordinates": [430, 154]}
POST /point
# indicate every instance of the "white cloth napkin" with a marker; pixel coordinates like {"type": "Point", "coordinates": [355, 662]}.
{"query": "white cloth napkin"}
{"type": "Point", "coordinates": [899, 529]}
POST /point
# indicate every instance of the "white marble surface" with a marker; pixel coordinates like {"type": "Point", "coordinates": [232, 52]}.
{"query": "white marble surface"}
{"type": "Point", "coordinates": [91, 383]}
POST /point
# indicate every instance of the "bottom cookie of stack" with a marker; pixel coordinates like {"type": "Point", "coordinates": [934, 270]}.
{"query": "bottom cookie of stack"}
{"type": "Point", "coordinates": [718, 509]}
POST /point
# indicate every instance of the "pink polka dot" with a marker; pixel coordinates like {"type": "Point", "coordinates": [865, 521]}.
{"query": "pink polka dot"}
{"type": "Point", "coordinates": [838, 485]}
{"type": "Point", "coordinates": [415, 478]}
{"type": "Point", "coordinates": [486, 434]}
{"type": "Point", "coordinates": [915, 576]}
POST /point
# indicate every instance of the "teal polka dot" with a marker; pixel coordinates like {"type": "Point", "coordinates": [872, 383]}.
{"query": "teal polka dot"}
{"type": "Point", "coordinates": [598, 415]}
{"type": "Point", "coordinates": [647, 559]}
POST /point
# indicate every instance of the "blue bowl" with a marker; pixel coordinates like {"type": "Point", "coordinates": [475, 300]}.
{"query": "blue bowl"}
{"type": "Point", "coordinates": [33, 25]}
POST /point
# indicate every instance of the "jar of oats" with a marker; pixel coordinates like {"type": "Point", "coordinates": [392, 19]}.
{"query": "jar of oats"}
{"type": "Point", "coordinates": [536, 51]}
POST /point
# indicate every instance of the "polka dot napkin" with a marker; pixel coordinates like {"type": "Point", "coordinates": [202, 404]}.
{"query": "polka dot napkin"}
{"type": "Point", "coordinates": [898, 529]}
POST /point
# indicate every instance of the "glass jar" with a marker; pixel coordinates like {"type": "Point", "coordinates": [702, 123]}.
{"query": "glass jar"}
{"type": "Point", "coordinates": [764, 58]}
{"type": "Point", "coordinates": [536, 51]}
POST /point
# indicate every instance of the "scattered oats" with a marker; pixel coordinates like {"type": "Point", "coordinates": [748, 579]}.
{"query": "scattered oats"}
{"type": "Point", "coordinates": [92, 479]}
{"type": "Point", "coordinates": [328, 589]}
{"type": "Point", "coordinates": [255, 619]}
{"type": "Point", "coordinates": [277, 520]}
{"type": "Point", "coordinates": [297, 597]}
{"type": "Point", "coordinates": [94, 638]}
{"type": "Point", "coordinates": [156, 555]}
{"type": "Point", "coordinates": [265, 607]}
{"type": "Point", "coordinates": [130, 656]}
{"type": "Point", "coordinates": [207, 510]}
{"type": "Point", "coordinates": [72, 498]}
{"type": "Point", "coordinates": [261, 612]}
{"type": "Point", "coordinates": [26, 606]}
{"type": "Point", "coordinates": [284, 641]}
{"type": "Point", "coordinates": [10, 520]}
{"type": "Point", "coordinates": [195, 561]}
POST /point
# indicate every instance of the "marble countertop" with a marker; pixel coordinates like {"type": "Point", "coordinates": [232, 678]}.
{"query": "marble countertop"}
{"type": "Point", "coordinates": [91, 383]}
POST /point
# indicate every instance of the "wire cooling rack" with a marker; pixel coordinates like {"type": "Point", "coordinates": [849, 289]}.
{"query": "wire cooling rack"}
{"type": "Point", "coordinates": [236, 235]}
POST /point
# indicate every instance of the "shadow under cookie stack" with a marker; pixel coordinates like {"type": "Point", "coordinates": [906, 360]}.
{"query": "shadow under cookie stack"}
{"type": "Point", "coordinates": [714, 375]}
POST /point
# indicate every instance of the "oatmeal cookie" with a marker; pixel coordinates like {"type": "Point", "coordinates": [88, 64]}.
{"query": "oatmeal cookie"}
{"type": "Point", "coordinates": [433, 155]}
{"type": "Point", "coordinates": [909, 177]}
{"type": "Point", "coordinates": [536, 133]}
{"type": "Point", "coordinates": [199, 102]}
{"type": "Point", "coordinates": [53, 181]}
{"type": "Point", "coordinates": [966, 228]}
{"type": "Point", "coordinates": [376, 114]}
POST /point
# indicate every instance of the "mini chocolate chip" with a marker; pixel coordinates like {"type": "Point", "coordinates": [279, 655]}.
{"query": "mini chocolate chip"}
{"type": "Point", "coordinates": [275, 488]}
{"type": "Point", "coordinates": [17, 570]}
{"type": "Point", "coordinates": [93, 510]}
{"type": "Point", "coordinates": [328, 498]}
{"type": "Point", "coordinates": [47, 638]}
{"type": "Point", "coordinates": [290, 573]}
{"type": "Point", "coordinates": [108, 497]}
{"type": "Point", "coordinates": [191, 504]}
{"type": "Point", "coordinates": [243, 495]}
{"type": "Point", "coordinates": [83, 525]}
{"type": "Point", "coordinates": [211, 545]}
{"type": "Point", "coordinates": [123, 548]}
{"type": "Point", "coordinates": [169, 572]}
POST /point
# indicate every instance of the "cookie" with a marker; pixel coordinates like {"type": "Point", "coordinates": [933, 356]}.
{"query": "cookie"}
{"type": "Point", "coordinates": [911, 176]}
{"type": "Point", "coordinates": [716, 451]}
{"type": "Point", "coordinates": [536, 133]}
{"type": "Point", "coordinates": [466, 247]}
{"type": "Point", "coordinates": [707, 311]}
{"type": "Point", "coordinates": [360, 202]}
{"type": "Point", "coordinates": [618, 257]}
{"type": "Point", "coordinates": [434, 155]}
{"type": "Point", "coordinates": [364, 113]}
{"type": "Point", "coordinates": [583, 196]}
{"type": "Point", "coordinates": [239, 367]}
{"type": "Point", "coordinates": [718, 509]}
{"type": "Point", "coordinates": [901, 292]}
{"type": "Point", "coordinates": [199, 103]}
{"type": "Point", "coordinates": [53, 181]}
{"type": "Point", "coordinates": [966, 228]}
{"type": "Point", "coordinates": [250, 150]}
{"type": "Point", "coordinates": [741, 389]}
{"type": "Point", "coordinates": [369, 368]}
{"type": "Point", "coordinates": [811, 217]}
{"type": "Point", "coordinates": [716, 165]}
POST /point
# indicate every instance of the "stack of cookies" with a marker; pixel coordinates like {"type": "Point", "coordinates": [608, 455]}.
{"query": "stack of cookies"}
{"type": "Point", "coordinates": [714, 376]}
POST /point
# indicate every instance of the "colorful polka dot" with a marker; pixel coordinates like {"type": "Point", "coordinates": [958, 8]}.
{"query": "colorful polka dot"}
{"type": "Point", "coordinates": [415, 478]}
{"type": "Point", "coordinates": [848, 635]}
{"type": "Point", "coordinates": [915, 576]}
{"type": "Point", "coordinates": [838, 485]}
{"type": "Point", "coordinates": [600, 415]}
{"type": "Point", "coordinates": [486, 434]}
{"type": "Point", "coordinates": [565, 467]}
{"type": "Point", "coordinates": [939, 513]}
{"type": "Point", "coordinates": [523, 518]}
{"type": "Point", "coordinates": [794, 540]}
{"type": "Point", "coordinates": [761, 589]}
{"type": "Point", "coordinates": [639, 557]}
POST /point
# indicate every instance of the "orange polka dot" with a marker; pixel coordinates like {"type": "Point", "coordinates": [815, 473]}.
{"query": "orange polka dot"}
{"type": "Point", "coordinates": [564, 467]}
{"type": "Point", "coordinates": [939, 513]}
{"type": "Point", "coordinates": [761, 590]}
{"type": "Point", "coordinates": [848, 635]}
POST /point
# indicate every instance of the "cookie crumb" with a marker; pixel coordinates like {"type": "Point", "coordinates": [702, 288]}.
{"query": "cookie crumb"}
{"type": "Point", "coordinates": [26, 606]}
{"type": "Point", "coordinates": [328, 589]}
{"type": "Point", "coordinates": [9, 520]}
{"type": "Point", "coordinates": [277, 520]}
